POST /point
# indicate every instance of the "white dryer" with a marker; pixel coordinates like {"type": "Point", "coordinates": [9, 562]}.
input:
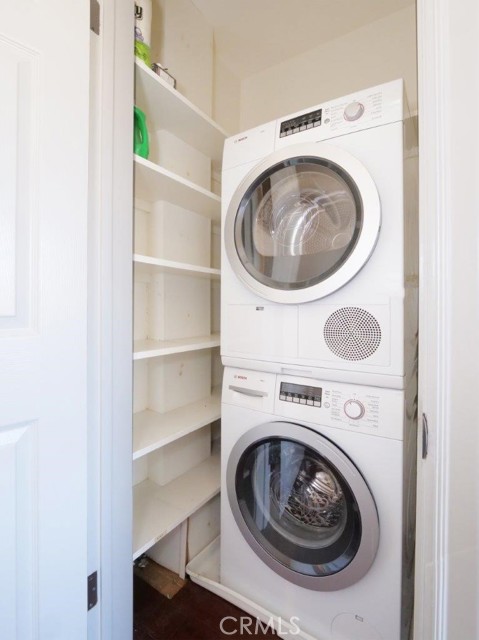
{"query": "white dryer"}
{"type": "Point", "coordinates": [317, 513]}
{"type": "Point", "coordinates": [319, 262]}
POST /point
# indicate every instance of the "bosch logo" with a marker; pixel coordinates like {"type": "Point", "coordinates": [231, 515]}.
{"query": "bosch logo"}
{"type": "Point", "coordinates": [241, 139]}
{"type": "Point", "coordinates": [241, 377]}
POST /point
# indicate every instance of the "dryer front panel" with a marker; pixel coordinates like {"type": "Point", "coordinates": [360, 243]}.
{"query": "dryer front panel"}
{"type": "Point", "coordinates": [302, 506]}
{"type": "Point", "coordinates": [302, 223]}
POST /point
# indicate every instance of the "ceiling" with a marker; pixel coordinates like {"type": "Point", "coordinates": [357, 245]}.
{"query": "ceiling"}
{"type": "Point", "coordinates": [251, 35]}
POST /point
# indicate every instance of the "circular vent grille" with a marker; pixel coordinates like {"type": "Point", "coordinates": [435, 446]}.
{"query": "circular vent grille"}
{"type": "Point", "coordinates": [352, 333]}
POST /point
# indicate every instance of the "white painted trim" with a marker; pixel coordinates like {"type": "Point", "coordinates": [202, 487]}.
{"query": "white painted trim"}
{"type": "Point", "coordinates": [115, 339]}
{"type": "Point", "coordinates": [94, 328]}
{"type": "Point", "coordinates": [447, 567]}
{"type": "Point", "coordinates": [434, 558]}
{"type": "Point", "coordinates": [429, 608]}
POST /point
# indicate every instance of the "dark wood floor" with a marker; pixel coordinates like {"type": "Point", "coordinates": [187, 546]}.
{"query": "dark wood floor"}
{"type": "Point", "coordinates": [193, 614]}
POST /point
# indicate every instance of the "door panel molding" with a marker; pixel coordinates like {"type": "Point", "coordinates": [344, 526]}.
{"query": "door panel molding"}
{"type": "Point", "coordinates": [19, 159]}
{"type": "Point", "coordinates": [19, 533]}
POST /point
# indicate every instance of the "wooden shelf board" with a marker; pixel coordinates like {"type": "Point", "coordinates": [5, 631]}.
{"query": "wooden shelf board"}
{"type": "Point", "coordinates": [148, 263]}
{"type": "Point", "coordinates": [153, 182]}
{"type": "Point", "coordinates": [154, 348]}
{"type": "Point", "coordinates": [152, 430]}
{"type": "Point", "coordinates": [158, 510]}
{"type": "Point", "coordinates": [167, 108]}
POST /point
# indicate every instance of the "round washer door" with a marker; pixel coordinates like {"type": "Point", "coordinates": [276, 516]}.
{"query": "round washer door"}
{"type": "Point", "coordinates": [302, 223]}
{"type": "Point", "coordinates": [302, 506]}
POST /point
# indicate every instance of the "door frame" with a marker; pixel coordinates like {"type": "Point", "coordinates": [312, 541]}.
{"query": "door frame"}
{"type": "Point", "coordinates": [447, 566]}
{"type": "Point", "coordinates": [448, 85]}
{"type": "Point", "coordinates": [111, 254]}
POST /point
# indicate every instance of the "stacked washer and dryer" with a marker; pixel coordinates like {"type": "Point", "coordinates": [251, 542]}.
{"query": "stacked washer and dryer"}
{"type": "Point", "coordinates": [319, 343]}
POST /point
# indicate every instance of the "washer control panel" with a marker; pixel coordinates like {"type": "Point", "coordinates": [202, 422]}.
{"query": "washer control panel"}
{"type": "Point", "coordinates": [354, 408]}
{"type": "Point", "coordinates": [345, 406]}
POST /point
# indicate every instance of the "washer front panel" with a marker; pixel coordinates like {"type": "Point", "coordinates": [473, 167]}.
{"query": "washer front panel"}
{"type": "Point", "coordinates": [302, 506]}
{"type": "Point", "coordinates": [302, 223]}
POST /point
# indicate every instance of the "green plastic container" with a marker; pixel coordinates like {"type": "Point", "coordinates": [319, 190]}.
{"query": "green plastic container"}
{"type": "Point", "coordinates": [142, 51]}
{"type": "Point", "coordinates": [141, 145]}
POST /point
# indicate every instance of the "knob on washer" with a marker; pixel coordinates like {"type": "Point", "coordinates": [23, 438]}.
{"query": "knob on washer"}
{"type": "Point", "coordinates": [354, 409]}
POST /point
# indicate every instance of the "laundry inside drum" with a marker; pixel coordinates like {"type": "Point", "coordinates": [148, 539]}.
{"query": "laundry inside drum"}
{"type": "Point", "coordinates": [305, 212]}
{"type": "Point", "coordinates": [306, 502]}
{"type": "Point", "coordinates": [298, 224]}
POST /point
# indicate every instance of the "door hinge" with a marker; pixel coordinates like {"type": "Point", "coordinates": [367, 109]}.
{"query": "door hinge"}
{"type": "Point", "coordinates": [425, 436]}
{"type": "Point", "coordinates": [95, 16]}
{"type": "Point", "coordinates": [92, 590]}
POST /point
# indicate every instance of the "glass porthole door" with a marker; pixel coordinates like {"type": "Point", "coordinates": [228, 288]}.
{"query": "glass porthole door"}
{"type": "Point", "coordinates": [302, 223]}
{"type": "Point", "coordinates": [302, 506]}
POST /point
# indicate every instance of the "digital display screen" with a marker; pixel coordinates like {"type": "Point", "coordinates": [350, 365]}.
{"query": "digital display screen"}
{"type": "Point", "coordinates": [300, 393]}
{"type": "Point", "coordinates": [301, 123]}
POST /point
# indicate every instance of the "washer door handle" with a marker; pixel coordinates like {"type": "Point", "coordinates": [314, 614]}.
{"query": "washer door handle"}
{"type": "Point", "coordinates": [425, 436]}
{"type": "Point", "coordinates": [248, 392]}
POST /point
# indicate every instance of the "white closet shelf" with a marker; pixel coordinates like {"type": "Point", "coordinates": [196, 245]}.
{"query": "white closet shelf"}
{"type": "Point", "coordinates": [153, 182]}
{"type": "Point", "coordinates": [166, 108]}
{"type": "Point", "coordinates": [155, 348]}
{"type": "Point", "coordinates": [147, 264]}
{"type": "Point", "coordinates": [158, 510]}
{"type": "Point", "coordinates": [152, 430]}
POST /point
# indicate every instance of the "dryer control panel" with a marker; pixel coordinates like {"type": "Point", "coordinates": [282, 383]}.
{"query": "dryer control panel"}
{"type": "Point", "coordinates": [372, 107]}
{"type": "Point", "coordinates": [301, 123]}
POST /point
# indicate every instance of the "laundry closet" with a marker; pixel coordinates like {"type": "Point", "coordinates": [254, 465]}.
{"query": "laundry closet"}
{"type": "Point", "coordinates": [207, 93]}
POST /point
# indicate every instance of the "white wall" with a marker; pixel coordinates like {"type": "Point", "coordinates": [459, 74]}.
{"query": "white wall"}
{"type": "Point", "coordinates": [226, 97]}
{"type": "Point", "coordinates": [381, 51]}
{"type": "Point", "coordinates": [182, 40]}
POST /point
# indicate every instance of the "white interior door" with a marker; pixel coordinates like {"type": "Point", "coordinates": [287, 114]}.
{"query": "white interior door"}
{"type": "Point", "coordinates": [44, 62]}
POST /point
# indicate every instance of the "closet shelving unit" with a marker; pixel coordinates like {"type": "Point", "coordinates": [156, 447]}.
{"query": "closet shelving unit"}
{"type": "Point", "coordinates": [156, 348]}
{"type": "Point", "coordinates": [178, 114]}
{"type": "Point", "coordinates": [153, 182]}
{"type": "Point", "coordinates": [160, 507]}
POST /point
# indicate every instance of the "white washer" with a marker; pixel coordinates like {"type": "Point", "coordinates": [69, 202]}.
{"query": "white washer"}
{"type": "Point", "coordinates": [317, 513]}
{"type": "Point", "coordinates": [319, 262]}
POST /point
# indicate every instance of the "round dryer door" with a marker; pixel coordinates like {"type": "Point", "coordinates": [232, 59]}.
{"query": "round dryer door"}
{"type": "Point", "coordinates": [302, 223]}
{"type": "Point", "coordinates": [302, 506]}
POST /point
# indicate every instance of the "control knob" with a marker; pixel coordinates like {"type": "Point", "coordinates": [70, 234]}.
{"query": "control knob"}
{"type": "Point", "coordinates": [353, 111]}
{"type": "Point", "coordinates": [354, 409]}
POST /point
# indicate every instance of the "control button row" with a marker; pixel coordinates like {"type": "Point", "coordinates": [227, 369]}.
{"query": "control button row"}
{"type": "Point", "coordinates": [311, 401]}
